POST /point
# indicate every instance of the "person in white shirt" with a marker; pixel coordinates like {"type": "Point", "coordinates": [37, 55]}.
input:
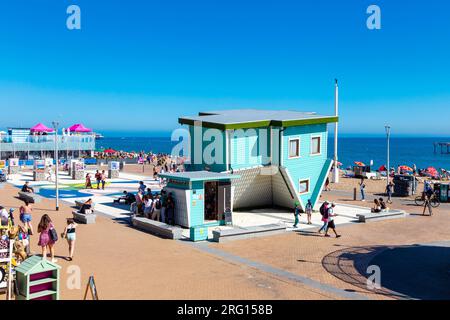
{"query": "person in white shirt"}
{"type": "Point", "coordinates": [331, 224]}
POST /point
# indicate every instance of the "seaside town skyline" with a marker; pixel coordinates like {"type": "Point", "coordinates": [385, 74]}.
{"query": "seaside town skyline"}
{"type": "Point", "coordinates": [147, 58]}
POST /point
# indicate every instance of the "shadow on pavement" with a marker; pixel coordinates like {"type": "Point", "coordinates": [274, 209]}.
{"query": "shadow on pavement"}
{"type": "Point", "coordinates": [407, 272]}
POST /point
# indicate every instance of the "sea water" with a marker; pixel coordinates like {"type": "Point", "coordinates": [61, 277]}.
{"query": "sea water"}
{"type": "Point", "coordinates": [403, 151]}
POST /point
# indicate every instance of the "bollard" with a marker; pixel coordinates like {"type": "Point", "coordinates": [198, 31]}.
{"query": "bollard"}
{"type": "Point", "coordinates": [354, 194]}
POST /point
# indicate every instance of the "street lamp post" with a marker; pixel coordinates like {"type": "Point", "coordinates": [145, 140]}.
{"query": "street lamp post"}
{"type": "Point", "coordinates": [335, 176]}
{"type": "Point", "coordinates": [55, 125]}
{"type": "Point", "coordinates": [388, 169]}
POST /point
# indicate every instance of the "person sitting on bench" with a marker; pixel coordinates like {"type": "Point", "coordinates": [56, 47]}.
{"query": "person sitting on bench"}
{"type": "Point", "coordinates": [86, 206]}
{"type": "Point", "coordinates": [127, 197]}
{"type": "Point", "coordinates": [27, 188]}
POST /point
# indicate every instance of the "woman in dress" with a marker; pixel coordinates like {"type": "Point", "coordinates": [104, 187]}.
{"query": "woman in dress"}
{"type": "Point", "coordinates": [45, 240]}
{"type": "Point", "coordinates": [88, 181]}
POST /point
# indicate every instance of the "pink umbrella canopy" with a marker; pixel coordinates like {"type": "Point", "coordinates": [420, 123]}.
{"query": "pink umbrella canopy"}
{"type": "Point", "coordinates": [432, 171]}
{"type": "Point", "coordinates": [79, 127]}
{"type": "Point", "coordinates": [41, 128]}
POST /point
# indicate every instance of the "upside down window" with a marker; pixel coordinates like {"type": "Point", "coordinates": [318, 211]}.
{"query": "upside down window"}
{"type": "Point", "coordinates": [315, 145]}
{"type": "Point", "coordinates": [294, 148]}
{"type": "Point", "coordinates": [303, 186]}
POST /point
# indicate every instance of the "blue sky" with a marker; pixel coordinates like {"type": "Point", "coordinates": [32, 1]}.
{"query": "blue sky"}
{"type": "Point", "coordinates": [138, 65]}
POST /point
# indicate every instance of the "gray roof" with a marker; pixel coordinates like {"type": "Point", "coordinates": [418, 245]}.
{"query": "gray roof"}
{"type": "Point", "coordinates": [198, 176]}
{"type": "Point", "coordinates": [235, 118]}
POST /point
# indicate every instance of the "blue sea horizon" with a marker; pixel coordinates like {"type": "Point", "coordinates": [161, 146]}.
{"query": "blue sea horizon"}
{"type": "Point", "coordinates": [404, 150]}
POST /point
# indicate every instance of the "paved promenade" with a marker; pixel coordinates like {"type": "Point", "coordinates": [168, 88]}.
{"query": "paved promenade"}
{"type": "Point", "coordinates": [129, 264]}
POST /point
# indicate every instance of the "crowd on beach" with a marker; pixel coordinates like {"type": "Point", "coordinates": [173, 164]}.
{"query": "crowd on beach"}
{"type": "Point", "coordinates": [141, 157]}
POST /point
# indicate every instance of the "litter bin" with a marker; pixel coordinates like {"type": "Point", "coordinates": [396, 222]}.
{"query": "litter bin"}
{"type": "Point", "coordinates": [444, 193]}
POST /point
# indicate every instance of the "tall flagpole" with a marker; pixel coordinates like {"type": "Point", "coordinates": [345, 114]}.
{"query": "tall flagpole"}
{"type": "Point", "coordinates": [336, 107]}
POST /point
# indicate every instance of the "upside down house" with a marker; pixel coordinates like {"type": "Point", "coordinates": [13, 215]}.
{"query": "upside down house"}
{"type": "Point", "coordinates": [252, 158]}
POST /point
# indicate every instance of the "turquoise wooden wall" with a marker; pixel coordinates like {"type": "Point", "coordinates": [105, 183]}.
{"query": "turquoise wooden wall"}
{"type": "Point", "coordinates": [219, 165]}
{"type": "Point", "coordinates": [197, 204]}
{"type": "Point", "coordinates": [246, 151]}
{"type": "Point", "coordinates": [306, 166]}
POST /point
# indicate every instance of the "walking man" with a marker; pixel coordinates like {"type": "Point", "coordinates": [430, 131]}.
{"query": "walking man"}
{"type": "Point", "coordinates": [331, 224]}
{"type": "Point", "coordinates": [98, 178]}
{"type": "Point", "coordinates": [296, 214]}
{"type": "Point", "coordinates": [426, 205]}
{"type": "Point", "coordinates": [389, 191]}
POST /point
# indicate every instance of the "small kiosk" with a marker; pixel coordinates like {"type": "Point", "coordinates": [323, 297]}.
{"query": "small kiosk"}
{"type": "Point", "coordinates": [114, 169]}
{"type": "Point", "coordinates": [78, 168]}
{"type": "Point", "coordinates": [202, 199]}
{"type": "Point", "coordinates": [38, 279]}
{"type": "Point", "coordinates": [13, 166]}
{"type": "Point", "coordinates": [39, 170]}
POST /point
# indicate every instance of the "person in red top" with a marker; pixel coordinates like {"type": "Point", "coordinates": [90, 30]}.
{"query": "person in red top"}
{"type": "Point", "coordinates": [98, 178]}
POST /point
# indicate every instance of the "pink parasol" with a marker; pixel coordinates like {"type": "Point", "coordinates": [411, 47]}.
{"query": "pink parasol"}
{"type": "Point", "coordinates": [110, 151]}
{"type": "Point", "coordinates": [359, 163]}
{"type": "Point", "coordinates": [382, 168]}
{"type": "Point", "coordinates": [406, 168]}
{"type": "Point", "coordinates": [432, 171]}
{"type": "Point", "coordinates": [41, 128]}
{"type": "Point", "coordinates": [79, 128]}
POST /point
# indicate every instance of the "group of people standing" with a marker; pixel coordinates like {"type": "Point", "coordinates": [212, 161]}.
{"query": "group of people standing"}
{"type": "Point", "coordinates": [100, 178]}
{"type": "Point", "coordinates": [327, 212]}
{"type": "Point", "coordinates": [155, 207]}
{"type": "Point", "coordinates": [46, 229]}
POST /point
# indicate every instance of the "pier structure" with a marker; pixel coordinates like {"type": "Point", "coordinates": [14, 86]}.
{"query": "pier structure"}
{"type": "Point", "coordinates": [443, 147]}
{"type": "Point", "coordinates": [32, 146]}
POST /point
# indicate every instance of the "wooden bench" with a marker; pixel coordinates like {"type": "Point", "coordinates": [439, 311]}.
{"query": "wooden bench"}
{"type": "Point", "coordinates": [374, 216]}
{"type": "Point", "coordinates": [30, 197]}
{"type": "Point", "coordinates": [250, 232]}
{"type": "Point", "coordinates": [88, 218]}
{"type": "Point", "coordinates": [157, 228]}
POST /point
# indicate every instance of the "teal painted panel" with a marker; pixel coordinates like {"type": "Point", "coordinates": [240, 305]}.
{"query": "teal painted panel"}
{"type": "Point", "coordinates": [198, 233]}
{"type": "Point", "coordinates": [197, 212]}
{"type": "Point", "coordinates": [199, 154]}
{"type": "Point", "coordinates": [322, 177]}
{"type": "Point", "coordinates": [307, 166]}
{"type": "Point", "coordinates": [247, 150]}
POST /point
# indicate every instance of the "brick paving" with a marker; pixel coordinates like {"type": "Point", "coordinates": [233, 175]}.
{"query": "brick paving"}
{"type": "Point", "coordinates": [129, 264]}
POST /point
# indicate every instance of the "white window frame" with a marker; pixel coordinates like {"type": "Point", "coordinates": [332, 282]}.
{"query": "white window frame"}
{"type": "Point", "coordinates": [320, 145]}
{"type": "Point", "coordinates": [289, 147]}
{"type": "Point", "coordinates": [309, 186]}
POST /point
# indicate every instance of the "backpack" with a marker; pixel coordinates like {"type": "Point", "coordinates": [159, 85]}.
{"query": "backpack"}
{"type": "Point", "coordinates": [158, 204]}
{"type": "Point", "coordinates": [322, 209]}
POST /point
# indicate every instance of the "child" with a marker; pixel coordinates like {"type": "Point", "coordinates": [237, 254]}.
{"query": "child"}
{"type": "Point", "coordinates": [70, 235]}
{"type": "Point", "coordinates": [45, 240]}
{"type": "Point", "coordinates": [308, 210]}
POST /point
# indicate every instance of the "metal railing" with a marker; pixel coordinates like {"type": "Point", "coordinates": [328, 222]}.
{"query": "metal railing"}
{"type": "Point", "coordinates": [46, 143]}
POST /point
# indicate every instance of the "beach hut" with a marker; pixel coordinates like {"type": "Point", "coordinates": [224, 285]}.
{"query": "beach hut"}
{"type": "Point", "coordinates": [38, 279]}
